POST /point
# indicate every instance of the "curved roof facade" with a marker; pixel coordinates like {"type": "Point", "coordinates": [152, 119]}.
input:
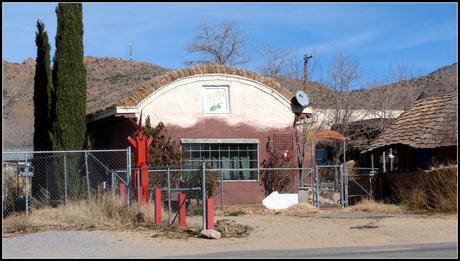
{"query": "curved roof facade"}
{"type": "Point", "coordinates": [136, 96]}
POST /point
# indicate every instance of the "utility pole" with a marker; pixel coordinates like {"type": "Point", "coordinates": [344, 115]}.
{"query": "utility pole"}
{"type": "Point", "coordinates": [130, 52]}
{"type": "Point", "coordinates": [305, 70]}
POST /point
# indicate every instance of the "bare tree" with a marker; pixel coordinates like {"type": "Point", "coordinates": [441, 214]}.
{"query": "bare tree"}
{"type": "Point", "coordinates": [222, 45]}
{"type": "Point", "coordinates": [279, 62]}
{"type": "Point", "coordinates": [343, 71]}
{"type": "Point", "coordinates": [404, 75]}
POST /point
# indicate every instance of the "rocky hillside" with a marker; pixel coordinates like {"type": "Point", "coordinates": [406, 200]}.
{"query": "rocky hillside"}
{"type": "Point", "coordinates": [106, 77]}
{"type": "Point", "coordinates": [111, 77]}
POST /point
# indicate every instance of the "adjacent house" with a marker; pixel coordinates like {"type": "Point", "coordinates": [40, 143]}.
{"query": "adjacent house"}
{"type": "Point", "coordinates": [424, 135]}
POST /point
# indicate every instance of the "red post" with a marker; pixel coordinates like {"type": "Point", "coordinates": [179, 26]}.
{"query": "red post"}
{"type": "Point", "coordinates": [157, 206]}
{"type": "Point", "coordinates": [210, 213]}
{"type": "Point", "coordinates": [122, 192]}
{"type": "Point", "coordinates": [144, 197]}
{"type": "Point", "coordinates": [182, 210]}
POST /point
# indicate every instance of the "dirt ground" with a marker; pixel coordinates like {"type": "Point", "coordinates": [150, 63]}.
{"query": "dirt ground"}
{"type": "Point", "coordinates": [271, 230]}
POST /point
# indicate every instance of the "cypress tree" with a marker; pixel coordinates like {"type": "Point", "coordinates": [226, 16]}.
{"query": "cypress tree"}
{"type": "Point", "coordinates": [42, 105]}
{"type": "Point", "coordinates": [69, 80]}
{"type": "Point", "coordinates": [42, 90]}
{"type": "Point", "coordinates": [69, 101]}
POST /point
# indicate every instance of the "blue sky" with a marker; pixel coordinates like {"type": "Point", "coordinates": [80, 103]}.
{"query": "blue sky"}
{"type": "Point", "coordinates": [423, 36]}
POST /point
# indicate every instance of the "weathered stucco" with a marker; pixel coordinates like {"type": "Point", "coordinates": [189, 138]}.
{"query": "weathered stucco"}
{"type": "Point", "coordinates": [181, 103]}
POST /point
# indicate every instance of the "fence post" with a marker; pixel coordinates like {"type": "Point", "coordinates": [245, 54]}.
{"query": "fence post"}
{"type": "Point", "coordinates": [182, 210]}
{"type": "Point", "coordinates": [222, 190]}
{"type": "Point", "coordinates": [345, 191]}
{"type": "Point", "coordinates": [27, 193]}
{"type": "Point", "coordinates": [210, 213]}
{"type": "Point", "coordinates": [128, 175]}
{"type": "Point", "coordinates": [113, 184]}
{"type": "Point", "coordinates": [65, 178]}
{"type": "Point", "coordinates": [87, 174]}
{"type": "Point", "coordinates": [138, 189]}
{"type": "Point", "coordinates": [122, 192]}
{"type": "Point", "coordinates": [317, 186]}
{"type": "Point", "coordinates": [169, 196]}
{"type": "Point", "coordinates": [342, 186]}
{"type": "Point", "coordinates": [203, 191]}
{"type": "Point", "coordinates": [158, 206]}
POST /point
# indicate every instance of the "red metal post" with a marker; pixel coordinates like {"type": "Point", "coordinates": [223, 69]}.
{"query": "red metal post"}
{"type": "Point", "coordinates": [182, 210]}
{"type": "Point", "coordinates": [122, 192]}
{"type": "Point", "coordinates": [157, 206]}
{"type": "Point", "coordinates": [210, 213]}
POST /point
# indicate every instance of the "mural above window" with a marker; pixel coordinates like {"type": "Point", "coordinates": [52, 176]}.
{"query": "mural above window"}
{"type": "Point", "coordinates": [215, 100]}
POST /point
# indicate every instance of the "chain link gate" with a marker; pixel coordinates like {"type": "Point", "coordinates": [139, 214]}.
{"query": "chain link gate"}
{"type": "Point", "coordinates": [330, 186]}
{"type": "Point", "coordinates": [363, 182]}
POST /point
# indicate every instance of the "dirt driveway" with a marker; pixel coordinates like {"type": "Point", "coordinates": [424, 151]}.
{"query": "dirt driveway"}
{"type": "Point", "coordinates": [326, 229]}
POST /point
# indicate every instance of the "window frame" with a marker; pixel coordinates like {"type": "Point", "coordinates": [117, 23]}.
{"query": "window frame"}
{"type": "Point", "coordinates": [211, 142]}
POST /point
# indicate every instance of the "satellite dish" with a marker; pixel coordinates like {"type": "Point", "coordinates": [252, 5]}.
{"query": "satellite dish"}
{"type": "Point", "coordinates": [302, 98]}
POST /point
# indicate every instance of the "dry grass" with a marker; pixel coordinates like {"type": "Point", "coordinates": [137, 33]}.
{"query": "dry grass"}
{"type": "Point", "coordinates": [300, 209]}
{"type": "Point", "coordinates": [372, 206]}
{"type": "Point", "coordinates": [104, 212]}
{"type": "Point", "coordinates": [430, 190]}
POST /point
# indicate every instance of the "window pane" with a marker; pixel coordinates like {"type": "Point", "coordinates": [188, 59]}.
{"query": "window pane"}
{"type": "Point", "coordinates": [224, 154]}
{"type": "Point", "coordinates": [194, 146]}
{"type": "Point", "coordinates": [196, 155]}
{"type": "Point", "coordinates": [205, 154]}
{"type": "Point", "coordinates": [215, 146]}
{"type": "Point", "coordinates": [185, 146]}
{"type": "Point", "coordinates": [253, 164]}
{"type": "Point", "coordinates": [214, 155]}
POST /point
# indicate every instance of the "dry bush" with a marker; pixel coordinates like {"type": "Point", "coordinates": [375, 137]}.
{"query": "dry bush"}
{"type": "Point", "coordinates": [372, 206]}
{"type": "Point", "coordinates": [300, 209]}
{"type": "Point", "coordinates": [434, 190]}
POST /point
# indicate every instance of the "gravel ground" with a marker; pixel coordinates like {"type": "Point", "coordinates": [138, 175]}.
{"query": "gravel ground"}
{"type": "Point", "coordinates": [273, 232]}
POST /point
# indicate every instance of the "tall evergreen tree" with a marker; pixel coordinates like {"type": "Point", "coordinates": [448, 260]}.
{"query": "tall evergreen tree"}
{"type": "Point", "coordinates": [69, 80]}
{"type": "Point", "coordinates": [42, 104]}
{"type": "Point", "coordinates": [42, 90]}
{"type": "Point", "coordinates": [69, 102]}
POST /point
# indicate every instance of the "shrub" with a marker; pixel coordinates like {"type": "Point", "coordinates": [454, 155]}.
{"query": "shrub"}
{"type": "Point", "coordinates": [276, 180]}
{"type": "Point", "coordinates": [434, 189]}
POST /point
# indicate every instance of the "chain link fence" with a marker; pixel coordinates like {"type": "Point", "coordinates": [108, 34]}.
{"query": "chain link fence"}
{"type": "Point", "coordinates": [56, 178]}
{"type": "Point", "coordinates": [61, 178]}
